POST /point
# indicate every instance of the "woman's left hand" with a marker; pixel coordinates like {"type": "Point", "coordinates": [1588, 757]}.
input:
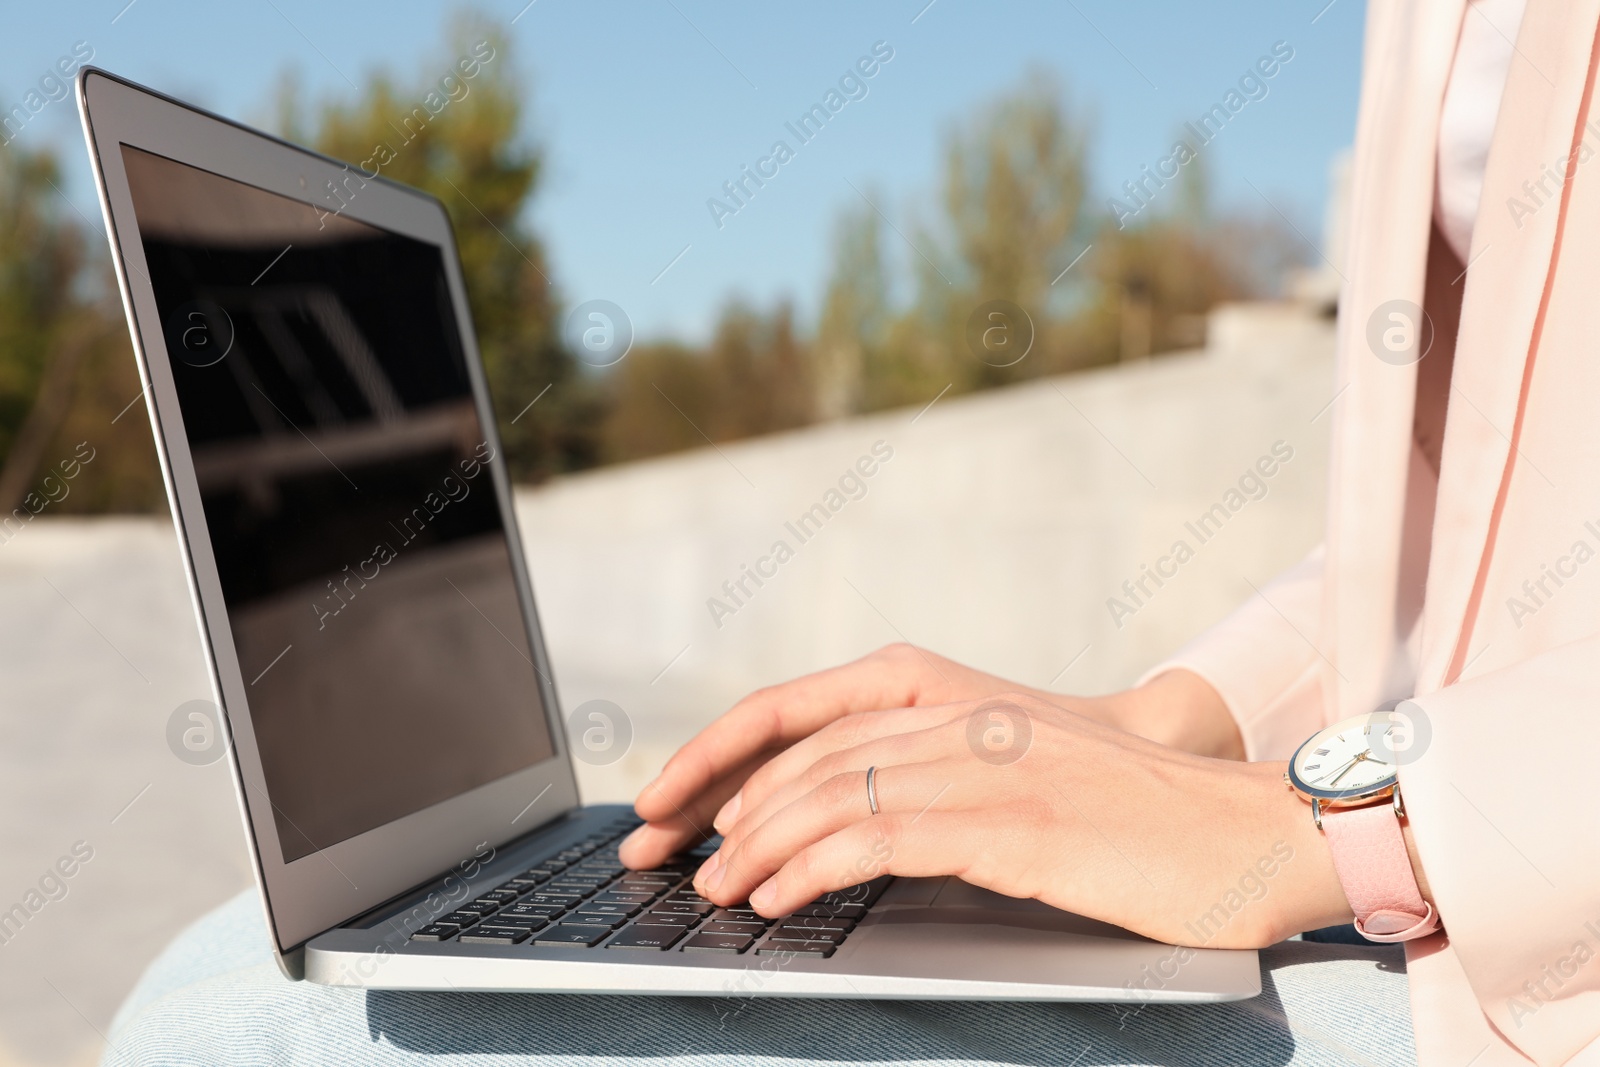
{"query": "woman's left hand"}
{"type": "Point", "coordinates": [1029, 799]}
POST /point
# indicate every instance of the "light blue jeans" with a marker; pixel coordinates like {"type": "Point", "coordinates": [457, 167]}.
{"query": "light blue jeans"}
{"type": "Point", "coordinates": [215, 997]}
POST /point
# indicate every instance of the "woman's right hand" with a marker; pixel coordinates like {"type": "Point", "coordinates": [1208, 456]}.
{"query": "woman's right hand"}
{"type": "Point", "coordinates": [679, 806]}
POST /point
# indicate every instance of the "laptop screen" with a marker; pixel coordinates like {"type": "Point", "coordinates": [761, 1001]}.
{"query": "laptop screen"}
{"type": "Point", "coordinates": [343, 470]}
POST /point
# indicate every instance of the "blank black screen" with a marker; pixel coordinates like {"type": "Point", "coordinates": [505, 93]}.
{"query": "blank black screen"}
{"type": "Point", "coordinates": [343, 473]}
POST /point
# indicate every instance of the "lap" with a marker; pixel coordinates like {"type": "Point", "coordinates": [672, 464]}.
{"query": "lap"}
{"type": "Point", "coordinates": [215, 996]}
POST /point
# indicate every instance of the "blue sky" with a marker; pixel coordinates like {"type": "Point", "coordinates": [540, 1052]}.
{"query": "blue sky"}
{"type": "Point", "coordinates": [645, 107]}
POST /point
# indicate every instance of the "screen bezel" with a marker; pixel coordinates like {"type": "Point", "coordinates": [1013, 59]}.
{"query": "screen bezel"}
{"type": "Point", "coordinates": [324, 889]}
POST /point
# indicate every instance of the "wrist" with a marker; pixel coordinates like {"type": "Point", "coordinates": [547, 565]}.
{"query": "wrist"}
{"type": "Point", "coordinates": [1315, 896]}
{"type": "Point", "coordinates": [1264, 873]}
{"type": "Point", "coordinates": [1318, 896]}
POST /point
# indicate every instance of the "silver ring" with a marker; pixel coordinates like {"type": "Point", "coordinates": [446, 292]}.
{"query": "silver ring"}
{"type": "Point", "coordinates": [872, 789]}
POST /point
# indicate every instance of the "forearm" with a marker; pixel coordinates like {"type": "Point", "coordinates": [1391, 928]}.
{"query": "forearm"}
{"type": "Point", "coordinates": [1176, 708]}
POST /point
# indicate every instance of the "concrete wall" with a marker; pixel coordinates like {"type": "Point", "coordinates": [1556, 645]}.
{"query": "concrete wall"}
{"type": "Point", "coordinates": [995, 534]}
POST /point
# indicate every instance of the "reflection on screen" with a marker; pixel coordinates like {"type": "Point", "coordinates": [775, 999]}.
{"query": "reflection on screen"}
{"type": "Point", "coordinates": [342, 468]}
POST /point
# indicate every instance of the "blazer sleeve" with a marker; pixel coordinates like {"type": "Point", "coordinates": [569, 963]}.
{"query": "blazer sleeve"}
{"type": "Point", "coordinates": [1260, 660]}
{"type": "Point", "coordinates": [1498, 784]}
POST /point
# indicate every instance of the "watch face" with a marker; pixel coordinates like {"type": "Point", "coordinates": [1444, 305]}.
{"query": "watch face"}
{"type": "Point", "coordinates": [1348, 759]}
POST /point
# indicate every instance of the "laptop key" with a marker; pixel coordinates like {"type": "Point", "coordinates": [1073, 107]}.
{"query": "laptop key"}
{"type": "Point", "coordinates": [525, 922]}
{"type": "Point", "coordinates": [610, 897]}
{"type": "Point", "coordinates": [739, 915]}
{"type": "Point", "coordinates": [718, 943]}
{"type": "Point", "coordinates": [601, 870]}
{"type": "Point", "coordinates": [572, 935]}
{"type": "Point", "coordinates": [865, 894]}
{"type": "Point", "coordinates": [501, 896]}
{"type": "Point", "coordinates": [600, 907]}
{"type": "Point", "coordinates": [691, 896]}
{"type": "Point", "coordinates": [436, 932]}
{"type": "Point", "coordinates": [801, 922]}
{"type": "Point", "coordinates": [856, 894]}
{"type": "Point", "coordinates": [494, 935]}
{"type": "Point", "coordinates": [542, 910]}
{"type": "Point", "coordinates": [610, 922]}
{"type": "Point", "coordinates": [630, 885]}
{"type": "Point", "coordinates": [753, 929]}
{"type": "Point", "coordinates": [480, 908]}
{"type": "Point", "coordinates": [774, 947]}
{"type": "Point", "coordinates": [644, 936]}
{"type": "Point", "coordinates": [806, 933]}
{"type": "Point", "coordinates": [565, 900]}
{"type": "Point", "coordinates": [675, 918]}
{"type": "Point", "coordinates": [683, 908]}
{"type": "Point", "coordinates": [460, 918]}
{"type": "Point", "coordinates": [832, 911]}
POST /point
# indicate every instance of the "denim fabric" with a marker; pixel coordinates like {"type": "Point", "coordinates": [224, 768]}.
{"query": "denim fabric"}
{"type": "Point", "coordinates": [215, 997]}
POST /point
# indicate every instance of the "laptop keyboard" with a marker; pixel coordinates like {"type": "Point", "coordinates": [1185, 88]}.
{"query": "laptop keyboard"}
{"type": "Point", "coordinates": [583, 898]}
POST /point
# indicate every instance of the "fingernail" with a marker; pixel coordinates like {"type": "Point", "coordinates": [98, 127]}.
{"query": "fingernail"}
{"type": "Point", "coordinates": [729, 812]}
{"type": "Point", "coordinates": [763, 897]}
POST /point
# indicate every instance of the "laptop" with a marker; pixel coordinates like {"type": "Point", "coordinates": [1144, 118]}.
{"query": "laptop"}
{"type": "Point", "coordinates": [343, 506]}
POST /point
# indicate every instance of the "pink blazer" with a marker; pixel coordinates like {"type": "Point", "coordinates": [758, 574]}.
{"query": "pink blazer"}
{"type": "Point", "coordinates": [1492, 620]}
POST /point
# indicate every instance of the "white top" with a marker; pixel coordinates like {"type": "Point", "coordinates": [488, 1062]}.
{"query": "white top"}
{"type": "Point", "coordinates": [1471, 104]}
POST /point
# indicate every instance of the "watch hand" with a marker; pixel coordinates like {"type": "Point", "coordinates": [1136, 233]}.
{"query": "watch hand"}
{"type": "Point", "coordinates": [1346, 769]}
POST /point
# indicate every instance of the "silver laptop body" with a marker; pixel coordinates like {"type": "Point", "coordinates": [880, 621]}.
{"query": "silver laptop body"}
{"type": "Point", "coordinates": [336, 479]}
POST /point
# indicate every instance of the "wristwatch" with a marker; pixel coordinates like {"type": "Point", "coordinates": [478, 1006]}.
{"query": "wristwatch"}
{"type": "Point", "coordinates": [1348, 772]}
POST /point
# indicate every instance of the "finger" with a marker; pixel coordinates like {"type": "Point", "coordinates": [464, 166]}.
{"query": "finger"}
{"type": "Point", "coordinates": [931, 742]}
{"type": "Point", "coordinates": [773, 718]}
{"type": "Point", "coordinates": [838, 802]}
{"type": "Point", "coordinates": [651, 844]}
{"type": "Point", "coordinates": [936, 843]}
{"type": "Point", "coordinates": [845, 733]}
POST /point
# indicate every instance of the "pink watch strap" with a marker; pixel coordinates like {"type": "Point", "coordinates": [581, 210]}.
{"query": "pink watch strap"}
{"type": "Point", "coordinates": [1369, 854]}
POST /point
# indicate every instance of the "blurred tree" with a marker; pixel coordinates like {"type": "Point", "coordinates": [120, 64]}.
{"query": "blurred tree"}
{"type": "Point", "coordinates": [664, 398]}
{"type": "Point", "coordinates": [1159, 277]}
{"type": "Point", "coordinates": [1012, 200]}
{"type": "Point", "coordinates": [755, 377]}
{"type": "Point", "coordinates": [39, 264]}
{"type": "Point", "coordinates": [1013, 195]}
{"type": "Point", "coordinates": [471, 154]}
{"type": "Point", "coordinates": [66, 365]}
{"type": "Point", "coordinates": [1014, 219]}
{"type": "Point", "coordinates": [855, 314]}
{"type": "Point", "coordinates": [763, 373]}
{"type": "Point", "coordinates": [1014, 188]}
